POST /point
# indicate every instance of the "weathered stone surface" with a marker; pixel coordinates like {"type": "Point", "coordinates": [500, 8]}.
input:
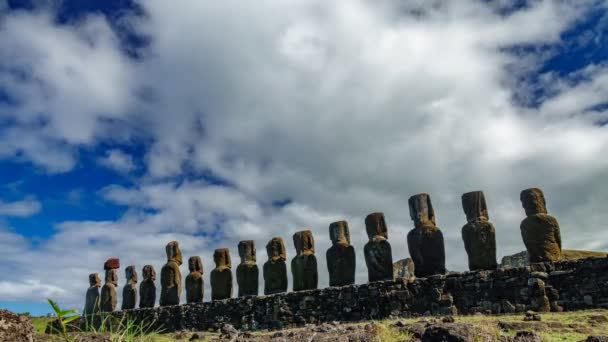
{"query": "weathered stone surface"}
{"type": "Point", "coordinates": [404, 268]}
{"type": "Point", "coordinates": [478, 234]}
{"type": "Point", "coordinates": [129, 291]}
{"type": "Point", "coordinates": [341, 260]}
{"type": "Point", "coordinates": [539, 301]}
{"type": "Point", "coordinates": [170, 276]}
{"type": "Point", "coordinates": [539, 230]}
{"type": "Point", "coordinates": [92, 302]}
{"type": "Point", "coordinates": [275, 270]}
{"type": "Point", "coordinates": [467, 293]}
{"type": "Point", "coordinates": [377, 251]}
{"type": "Point", "coordinates": [108, 296]}
{"type": "Point", "coordinates": [15, 328]}
{"type": "Point", "coordinates": [521, 259]}
{"type": "Point", "coordinates": [425, 241]}
{"type": "Point", "coordinates": [194, 280]}
{"type": "Point", "coordinates": [221, 276]}
{"type": "Point", "coordinates": [147, 288]}
{"type": "Point", "coordinates": [304, 264]}
{"type": "Point", "coordinates": [112, 263]}
{"type": "Point", "coordinates": [247, 273]}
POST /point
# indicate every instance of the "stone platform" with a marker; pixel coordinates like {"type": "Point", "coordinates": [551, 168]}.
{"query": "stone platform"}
{"type": "Point", "coordinates": [567, 285]}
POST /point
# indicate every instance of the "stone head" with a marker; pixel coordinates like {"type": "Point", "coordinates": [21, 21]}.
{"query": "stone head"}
{"type": "Point", "coordinates": [474, 205]}
{"type": "Point", "coordinates": [112, 277]}
{"type": "Point", "coordinates": [339, 233]}
{"type": "Point", "coordinates": [131, 274]}
{"type": "Point", "coordinates": [149, 273]}
{"type": "Point", "coordinates": [247, 251]}
{"type": "Point", "coordinates": [375, 226]}
{"type": "Point", "coordinates": [221, 257]}
{"type": "Point", "coordinates": [304, 242]}
{"type": "Point", "coordinates": [94, 280]}
{"type": "Point", "coordinates": [195, 264]}
{"type": "Point", "coordinates": [533, 201]}
{"type": "Point", "coordinates": [421, 210]}
{"type": "Point", "coordinates": [173, 252]}
{"type": "Point", "coordinates": [276, 249]}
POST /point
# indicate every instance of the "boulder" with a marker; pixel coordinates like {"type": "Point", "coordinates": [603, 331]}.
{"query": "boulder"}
{"type": "Point", "coordinates": [15, 327]}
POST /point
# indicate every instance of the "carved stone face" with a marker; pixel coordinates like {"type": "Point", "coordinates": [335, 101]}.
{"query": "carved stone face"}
{"type": "Point", "coordinates": [533, 201]}
{"type": "Point", "coordinates": [421, 210]}
{"type": "Point", "coordinates": [195, 264]}
{"type": "Point", "coordinates": [247, 251]}
{"type": "Point", "coordinates": [339, 233]}
{"type": "Point", "coordinates": [112, 277]}
{"type": "Point", "coordinates": [474, 205]}
{"type": "Point", "coordinates": [276, 249]}
{"type": "Point", "coordinates": [304, 242]}
{"type": "Point", "coordinates": [131, 274]}
{"type": "Point", "coordinates": [375, 226]}
{"type": "Point", "coordinates": [94, 280]}
{"type": "Point", "coordinates": [149, 273]}
{"type": "Point", "coordinates": [221, 256]}
{"type": "Point", "coordinates": [173, 252]}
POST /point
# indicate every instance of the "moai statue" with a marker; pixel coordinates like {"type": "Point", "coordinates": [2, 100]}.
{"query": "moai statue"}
{"type": "Point", "coordinates": [91, 305]}
{"type": "Point", "coordinates": [221, 276]}
{"type": "Point", "coordinates": [378, 253]}
{"type": "Point", "coordinates": [108, 291]}
{"type": "Point", "coordinates": [275, 270]}
{"type": "Point", "coordinates": [170, 276]}
{"type": "Point", "coordinates": [194, 281]}
{"type": "Point", "coordinates": [539, 230]}
{"type": "Point", "coordinates": [425, 241]}
{"type": "Point", "coordinates": [247, 272]}
{"type": "Point", "coordinates": [147, 289]}
{"type": "Point", "coordinates": [129, 292]}
{"type": "Point", "coordinates": [340, 256]}
{"type": "Point", "coordinates": [304, 264]}
{"type": "Point", "coordinates": [539, 301]}
{"type": "Point", "coordinates": [478, 234]}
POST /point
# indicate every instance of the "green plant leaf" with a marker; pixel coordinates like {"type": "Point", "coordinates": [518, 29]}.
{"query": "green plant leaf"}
{"type": "Point", "coordinates": [70, 319]}
{"type": "Point", "coordinates": [68, 312]}
{"type": "Point", "coordinates": [54, 306]}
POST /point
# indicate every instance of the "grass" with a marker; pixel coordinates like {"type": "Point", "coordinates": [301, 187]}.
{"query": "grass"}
{"type": "Point", "coordinates": [40, 323]}
{"type": "Point", "coordinates": [386, 333]}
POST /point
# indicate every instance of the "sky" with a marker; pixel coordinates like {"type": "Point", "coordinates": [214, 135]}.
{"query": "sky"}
{"type": "Point", "coordinates": [127, 124]}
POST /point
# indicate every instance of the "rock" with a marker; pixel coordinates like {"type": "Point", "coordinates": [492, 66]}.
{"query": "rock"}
{"type": "Point", "coordinates": [457, 332]}
{"type": "Point", "coordinates": [170, 276]}
{"type": "Point", "coordinates": [478, 234]}
{"type": "Point", "coordinates": [129, 291]}
{"type": "Point", "coordinates": [425, 241]}
{"type": "Point", "coordinates": [147, 288]}
{"type": "Point", "coordinates": [304, 264]}
{"type": "Point", "coordinates": [112, 263]}
{"type": "Point", "coordinates": [247, 272]}
{"type": "Point", "coordinates": [448, 319]}
{"type": "Point", "coordinates": [377, 251]}
{"type": "Point", "coordinates": [92, 300]}
{"type": "Point", "coordinates": [195, 337]}
{"type": "Point", "coordinates": [597, 339]}
{"type": "Point", "coordinates": [340, 256]}
{"type": "Point", "coordinates": [228, 330]}
{"type": "Point", "coordinates": [275, 270]}
{"type": "Point", "coordinates": [195, 286]}
{"type": "Point", "coordinates": [15, 328]}
{"type": "Point", "coordinates": [521, 259]}
{"type": "Point", "coordinates": [527, 336]}
{"type": "Point", "coordinates": [221, 276]}
{"type": "Point", "coordinates": [404, 268]}
{"type": "Point", "coordinates": [108, 296]}
{"type": "Point", "coordinates": [539, 230]}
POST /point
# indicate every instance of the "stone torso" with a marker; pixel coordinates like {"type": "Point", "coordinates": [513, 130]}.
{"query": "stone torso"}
{"type": "Point", "coordinates": [247, 275]}
{"type": "Point", "coordinates": [479, 238]}
{"type": "Point", "coordinates": [194, 287]}
{"type": "Point", "coordinates": [129, 297]}
{"type": "Point", "coordinates": [221, 283]}
{"type": "Point", "coordinates": [379, 260]}
{"type": "Point", "coordinates": [170, 279]}
{"type": "Point", "coordinates": [275, 277]}
{"type": "Point", "coordinates": [92, 300]}
{"type": "Point", "coordinates": [108, 297]}
{"type": "Point", "coordinates": [425, 244]}
{"type": "Point", "coordinates": [304, 271]}
{"type": "Point", "coordinates": [341, 264]}
{"type": "Point", "coordinates": [541, 236]}
{"type": "Point", "coordinates": [147, 294]}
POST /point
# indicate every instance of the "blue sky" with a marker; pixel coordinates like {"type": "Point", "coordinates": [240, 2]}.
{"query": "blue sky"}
{"type": "Point", "coordinates": [125, 125]}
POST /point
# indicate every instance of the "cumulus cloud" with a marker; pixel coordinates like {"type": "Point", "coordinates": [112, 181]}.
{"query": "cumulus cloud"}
{"type": "Point", "coordinates": [24, 208]}
{"type": "Point", "coordinates": [339, 109]}
{"type": "Point", "coordinates": [118, 160]}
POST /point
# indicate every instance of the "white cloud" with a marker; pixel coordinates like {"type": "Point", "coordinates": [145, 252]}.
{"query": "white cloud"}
{"type": "Point", "coordinates": [118, 160]}
{"type": "Point", "coordinates": [343, 107]}
{"type": "Point", "coordinates": [24, 208]}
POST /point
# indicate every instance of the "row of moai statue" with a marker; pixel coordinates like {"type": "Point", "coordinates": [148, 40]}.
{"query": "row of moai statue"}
{"type": "Point", "coordinates": [540, 233]}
